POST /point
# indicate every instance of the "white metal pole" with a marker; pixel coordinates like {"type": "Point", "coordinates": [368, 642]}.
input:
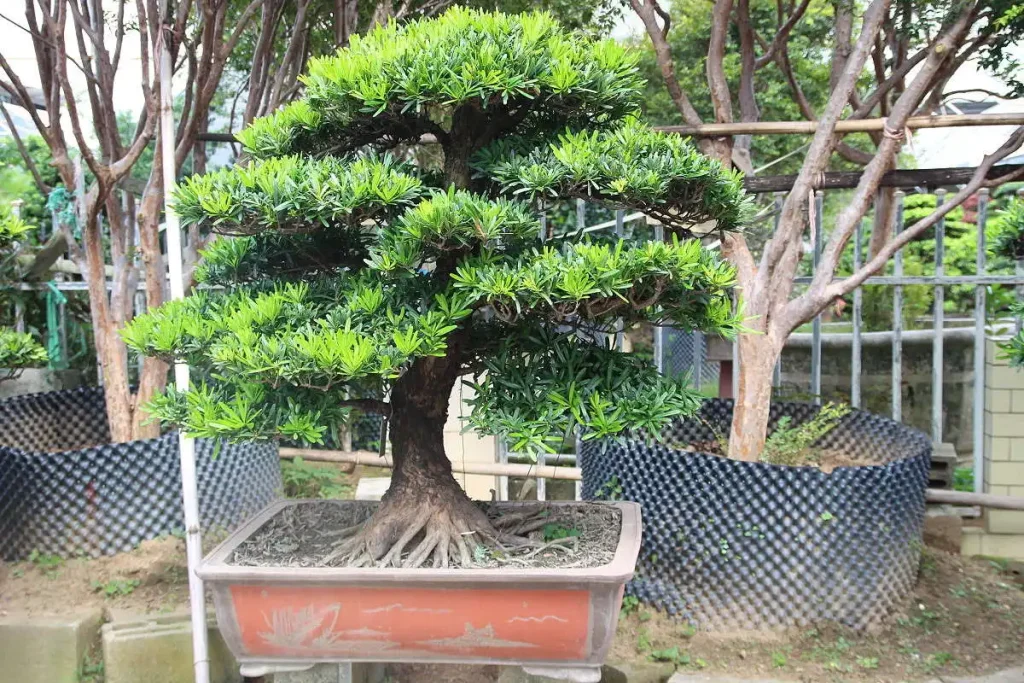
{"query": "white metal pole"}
{"type": "Point", "coordinates": [186, 446]}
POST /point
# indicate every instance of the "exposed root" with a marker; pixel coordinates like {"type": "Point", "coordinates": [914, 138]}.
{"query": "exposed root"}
{"type": "Point", "coordinates": [412, 531]}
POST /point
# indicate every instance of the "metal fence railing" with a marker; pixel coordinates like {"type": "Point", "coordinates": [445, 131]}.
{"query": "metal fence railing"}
{"type": "Point", "coordinates": [679, 352]}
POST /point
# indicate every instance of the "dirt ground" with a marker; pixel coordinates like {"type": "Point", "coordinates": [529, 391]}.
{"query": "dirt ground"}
{"type": "Point", "coordinates": [151, 578]}
{"type": "Point", "coordinates": [966, 617]}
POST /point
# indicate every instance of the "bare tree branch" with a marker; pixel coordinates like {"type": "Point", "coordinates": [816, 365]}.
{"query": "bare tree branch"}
{"type": "Point", "coordinates": [23, 151]}
{"type": "Point", "coordinates": [978, 180]}
{"type": "Point", "coordinates": [649, 11]}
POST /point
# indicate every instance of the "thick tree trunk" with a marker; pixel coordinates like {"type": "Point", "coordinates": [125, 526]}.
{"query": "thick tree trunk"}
{"type": "Point", "coordinates": [424, 511]}
{"type": "Point", "coordinates": [758, 354]}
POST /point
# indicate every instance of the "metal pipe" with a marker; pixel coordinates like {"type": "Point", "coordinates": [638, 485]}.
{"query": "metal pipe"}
{"type": "Point", "coordinates": [847, 126]}
{"type": "Point", "coordinates": [659, 331]}
{"type": "Point", "coordinates": [980, 312]}
{"type": "Point", "coordinates": [186, 445]}
{"type": "Point", "coordinates": [897, 318]}
{"type": "Point", "coordinates": [858, 302]}
{"type": "Point", "coordinates": [816, 236]}
{"type": "Point", "coordinates": [938, 323]}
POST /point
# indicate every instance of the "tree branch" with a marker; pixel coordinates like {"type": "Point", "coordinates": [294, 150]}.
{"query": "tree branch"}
{"type": "Point", "coordinates": [23, 151]}
{"type": "Point", "coordinates": [649, 11]}
{"type": "Point", "coordinates": [782, 36]}
{"type": "Point", "coordinates": [978, 180]}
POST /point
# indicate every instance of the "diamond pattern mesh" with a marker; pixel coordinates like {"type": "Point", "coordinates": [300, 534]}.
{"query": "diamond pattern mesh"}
{"type": "Point", "coordinates": [65, 491]}
{"type": "Point", "coordinates": [737, 545]}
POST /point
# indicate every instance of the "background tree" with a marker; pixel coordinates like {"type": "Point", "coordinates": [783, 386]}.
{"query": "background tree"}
{"type": "Point", "coordinates": [362, 282]}
{"type": "Point", "coordinates": [897, 65]}
{"type": "Point", "coordinates": [106, 227]}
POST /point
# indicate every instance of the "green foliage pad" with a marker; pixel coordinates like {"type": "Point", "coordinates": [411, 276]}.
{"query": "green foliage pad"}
{"type": "Point", "coordinates": [355, 261]}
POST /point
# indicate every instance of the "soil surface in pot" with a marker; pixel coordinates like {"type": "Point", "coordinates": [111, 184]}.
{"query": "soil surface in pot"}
{"type": "Point", "coordinates": [583, 535]}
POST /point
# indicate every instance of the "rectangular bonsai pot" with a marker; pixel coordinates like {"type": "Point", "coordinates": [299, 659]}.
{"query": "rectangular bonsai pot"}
{"type": "Point", "coordinates": [276, 618]}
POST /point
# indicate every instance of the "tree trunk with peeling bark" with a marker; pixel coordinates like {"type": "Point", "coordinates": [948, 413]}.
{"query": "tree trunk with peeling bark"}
{"type": "Point", "coordinates": [903, 84]}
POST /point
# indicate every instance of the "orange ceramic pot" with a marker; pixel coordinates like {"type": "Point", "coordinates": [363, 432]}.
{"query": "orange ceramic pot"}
{"type": "Point", "coordinates": [556, 621]}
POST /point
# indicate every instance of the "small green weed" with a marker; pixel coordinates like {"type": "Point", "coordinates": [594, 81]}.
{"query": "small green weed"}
{"type": "Point", "coordinates": [924, 619]}
{"type": "Point", "coordinates": [49, 565]}
{"type": "Point", "coordinates": [867, 662]}
{"type": "Point", "coordinates": [630, 604]}
{"type": "Point", "coordinates": [938, 660]}
{"type": "Point", "coordinates": [826, 517]}
{"type": "Point", "coordinates": [688, 631]}
{"type": "Point", "coordinates": [779, 660]}
{"type": "Point", "coordinates": [115, 588]}
{"type": "Point", "coordinates": [644, 617]}
{"type": "Point", "coordinates": [675, 656]}
{"type": "Point", "coordinates": [17, 572]}
{"type": "Point", "coordinates": [554, 532]}
{"type": "Point", "coordinates": [91, 670]}
{"type": "Point", "coordinates": [643, 642]}
{"type": "Point", "coordinates": [963, 479]}
{"type": "Point", "coordinates": [792, 445]}
{"type": "Point", "coordinates": [610, 490]}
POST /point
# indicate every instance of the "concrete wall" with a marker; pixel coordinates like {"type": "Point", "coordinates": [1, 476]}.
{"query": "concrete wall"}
{"type": "Point", "coordinates": [463, 447]}
{"type": "Point", "coordinates": [1003, 534]}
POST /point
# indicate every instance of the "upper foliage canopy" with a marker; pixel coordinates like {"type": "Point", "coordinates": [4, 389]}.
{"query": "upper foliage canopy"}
{"type": "Point", "coordinates": [352, 264]}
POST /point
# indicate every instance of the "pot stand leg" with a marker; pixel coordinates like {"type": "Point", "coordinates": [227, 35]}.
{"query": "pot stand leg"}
{"type": "Point", "coordinates": [574, 674]}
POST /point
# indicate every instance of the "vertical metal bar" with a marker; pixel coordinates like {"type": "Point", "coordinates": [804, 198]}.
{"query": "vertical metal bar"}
{"type": "Point", "coordinates": [858, 304]}
{"type": "Point", "coordinates": [581, 214]}
{"type": "Point", "coordinates": [502, 478]}
{"type": "Point", "coordinates": [542, 483]}
{"type": "Point", "coordinates": [897, 319]}
{"type": "Point", "coordinates": [698, 360]}
{"type": "Point", "coordinates": [1019, 322]}
{"type": "Point", "coordinates": [980, 305]}
{"type": "Point", "coordinates": [938, 323]}
{"type": "Point", "coordinates": [579, 463]}
{"type": "Point", "coordinates": [620, 231]}
{"type": "Point", "coordinates": [816, 235]}
{"type": "Point", "coordinates": [780, 198]}
{"type": "Point", "coordinates": [659, 330]}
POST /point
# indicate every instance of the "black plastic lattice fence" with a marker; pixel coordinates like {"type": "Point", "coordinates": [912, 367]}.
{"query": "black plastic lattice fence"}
{"type": "Point", "coordinates": [741, 545]}
{"type": "Point", "coordinates": [65, 490]}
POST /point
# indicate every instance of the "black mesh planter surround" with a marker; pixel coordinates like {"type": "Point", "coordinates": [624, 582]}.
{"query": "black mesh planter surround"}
{"type": "Point", "coordinates": [65, 490]}
{"type": "Point", "coordinates": [740, 545]}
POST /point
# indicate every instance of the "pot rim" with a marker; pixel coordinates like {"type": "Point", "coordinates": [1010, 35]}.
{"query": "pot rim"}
{"type": "Point", "coordinates": [215, 567]}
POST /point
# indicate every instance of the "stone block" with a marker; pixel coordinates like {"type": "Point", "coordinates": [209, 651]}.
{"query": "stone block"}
{"type": "Point", "coordinates": [372, 488]}
{"type": "Point", "coordinates": [1010, 546]}
{"type": "Point", "coordinates": [357, 672]}
{"type": "Point", "coordinates": [46, 649]}
{"type": "Point", "coordinates": [159, 650]}
{"type": "Point", "coordinates": [997, 377]}
{"type": "Point", "coordinates": [1017, 401]}
{"type": "Point", "coordinates": [1005, 473]}
{"type": "Point", "coordinates": [708, 678]}
{"type": "Point", "coordinates": [624, 672]}
{"type": "Point", "coordinates": [1004, 521]}
{"type": "Point", "coordinates": [997, 447]}
{"type": "Point", "coordinates": [970, 542]}
{"type": "Point", "coordinates": [1017, 450]}
{"type": "Point", "coordinates": [1006, 424]}
{"type": "Point", "coordinates": [998, 400]}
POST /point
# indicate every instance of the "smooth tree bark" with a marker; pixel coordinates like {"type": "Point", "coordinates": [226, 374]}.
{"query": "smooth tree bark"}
{"type": "Point", "coordinates": [117, 233]}
{"type": "Point", "coordinates": [908, 78]}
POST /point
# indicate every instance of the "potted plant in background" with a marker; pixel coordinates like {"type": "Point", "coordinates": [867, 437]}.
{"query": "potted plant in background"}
{"type": "Point", "coordinates": [360, 282]}
{"type": "Point", "coordinates": [18, 350]}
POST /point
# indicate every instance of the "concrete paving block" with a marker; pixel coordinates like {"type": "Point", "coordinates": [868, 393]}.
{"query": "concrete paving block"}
{"type": "Point", "coordinates": [610, 673]}
{"type": "Point", "coordinates": [372, 488]}
{"type": "Point", "coordinates": [358, 672]}
{"type": "Point", "coordinates": [158, 649]}
{"type": "Point", "coordinates": [708, 678]}
{"type": "Point", "coordinates": [46, 649]}
{"type": "Point", "coordinates": [1007, 676]}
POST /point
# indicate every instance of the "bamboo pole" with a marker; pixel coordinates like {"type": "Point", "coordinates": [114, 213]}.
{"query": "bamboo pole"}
{"type": "Point", "coordinates": [847, 126]}
{"type": "Point", "coordinates": [372, 459]}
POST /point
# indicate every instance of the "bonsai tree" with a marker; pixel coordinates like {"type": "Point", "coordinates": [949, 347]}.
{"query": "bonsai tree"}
{"type": "Point", "coordinates": [356, 280]}
{"type": "Point", "coordinates": [18, 350]}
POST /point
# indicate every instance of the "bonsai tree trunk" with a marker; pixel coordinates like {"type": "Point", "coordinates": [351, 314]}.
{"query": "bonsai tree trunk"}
{"type": "Point", "coordinates": [424, 499]}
